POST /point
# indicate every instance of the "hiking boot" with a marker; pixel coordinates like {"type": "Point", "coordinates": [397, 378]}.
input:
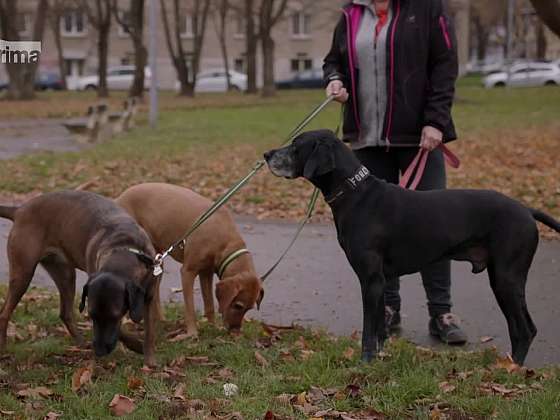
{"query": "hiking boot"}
{"type": "Point", "coordinates": [446, 328]}
{"type": "Point", "coordinates": [392, 319]}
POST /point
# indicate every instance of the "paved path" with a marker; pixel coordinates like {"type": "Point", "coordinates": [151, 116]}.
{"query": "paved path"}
{"type": "Point", "coordinates": [315, 286]}
{"type": "Point", "coordinates": [19, 137]}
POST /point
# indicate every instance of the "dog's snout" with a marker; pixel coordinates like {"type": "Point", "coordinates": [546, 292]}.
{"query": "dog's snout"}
{"type": "Point", "coordinates": [268, 155]}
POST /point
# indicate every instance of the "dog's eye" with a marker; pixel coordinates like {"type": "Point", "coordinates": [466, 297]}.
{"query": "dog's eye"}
{"type": "Point", "coordinates": [238, 306]}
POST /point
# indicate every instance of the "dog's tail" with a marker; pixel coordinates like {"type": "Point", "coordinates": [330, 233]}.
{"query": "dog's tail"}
{"type": "Point", "coordinates": [7, 212]}
{"type": "Point", "coordinates": [544, 218]}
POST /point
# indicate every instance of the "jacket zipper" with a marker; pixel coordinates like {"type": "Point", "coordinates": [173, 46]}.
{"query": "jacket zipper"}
{"type": "Point", "coordinates": [350, 49]}
{"type": "Point", "coordinates": [445, 32]}
{"type": "Point", "coordinates": [392, 75]}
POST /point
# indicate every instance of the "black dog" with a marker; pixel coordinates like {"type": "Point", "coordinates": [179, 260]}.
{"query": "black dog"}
{"type": "Point", "coordinates": [388, 231]}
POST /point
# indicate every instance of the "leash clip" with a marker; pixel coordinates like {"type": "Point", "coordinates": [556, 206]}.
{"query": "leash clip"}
{"type": "Point", "coordinates": [158, 265]}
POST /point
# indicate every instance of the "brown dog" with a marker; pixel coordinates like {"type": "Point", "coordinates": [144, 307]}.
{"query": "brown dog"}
{"type": "Point", "coordinates": [66, 230]}
{"type": "Point", "coordinates": [166, 212]}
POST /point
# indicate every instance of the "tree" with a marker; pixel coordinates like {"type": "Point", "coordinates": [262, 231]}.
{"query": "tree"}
{"type": "Point", "coordinates": [484, 17]}
{"type": "Point", "coordinates": [200, 14]}
{"type": "Point", "coordinates": [251, 44]}
{"type": "Point", "coordinates": [549, 12]}
{"type": "Point", "coordinates": [269, 16]}
{"type": "Point", "coordinates": [56, 12]}
{"type": "Point", "coordinates": [541, 41]}
{"type": "Point", "coordinates": [132, 23]}
{"type": "Point", "coordinates": [100, 18]}
{"type": "Point", "coordinates": [21, 75]}
{"type": "Point", "coordinates": [220, 24]}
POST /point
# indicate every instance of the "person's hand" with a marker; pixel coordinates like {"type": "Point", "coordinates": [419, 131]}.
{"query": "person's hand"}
{"type": "Point", "coordinates": [337, 89]}
{"type": "Point", "coordinates": [431, 138]}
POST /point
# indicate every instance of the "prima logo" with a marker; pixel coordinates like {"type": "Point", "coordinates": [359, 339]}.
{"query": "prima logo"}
{"type": "Point", "coordinates": [19, 52]}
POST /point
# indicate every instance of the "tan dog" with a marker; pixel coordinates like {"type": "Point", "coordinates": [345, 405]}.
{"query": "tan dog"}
{"type": "Point", "coordinates": [166, 212]}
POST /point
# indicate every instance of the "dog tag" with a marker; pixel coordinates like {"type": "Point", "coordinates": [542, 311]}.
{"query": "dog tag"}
{"type": "Point", "coordinates": [157, 270]}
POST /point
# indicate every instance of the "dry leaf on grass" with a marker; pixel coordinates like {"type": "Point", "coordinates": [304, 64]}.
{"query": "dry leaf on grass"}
{"type": "Point", "coordinates": [51, 415]}
{"type": "Point", "coordinates": [446, 387]}
{"type": "Point", "coordinates": [349, 353]}
{"type": "Point", "coordinates": [261, 361]}
{"type": "Point", "coordinates": [179, 393]}
{"type": "Point", "coordinates": [506, 363]}
{"type": "Point", "coordinates": [82, 377]}
{"type": "Point", "coordinates": [37, 392]}
{"type": "Point", "coordinates": [134, 383]}
{"type": "Point", "coordinates": [121, 405]}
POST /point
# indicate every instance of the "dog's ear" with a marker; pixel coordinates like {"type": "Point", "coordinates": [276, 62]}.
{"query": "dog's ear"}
{"type": "Point", "coordinates": [135, 296]}
{"type": "Point", "coordinates": [84, 296]}
{"type": "Point", "coordinates": [226, 292]}
{"type": "Point", "coordinates": [259, 299]}
{"type": "Point", "coordinates": [320, 161]}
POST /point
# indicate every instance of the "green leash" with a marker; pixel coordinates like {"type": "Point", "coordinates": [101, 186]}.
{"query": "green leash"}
{"type": "Point", "coordinates": [158, 266]}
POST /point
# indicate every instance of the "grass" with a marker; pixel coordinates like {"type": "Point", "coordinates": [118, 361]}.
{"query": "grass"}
{"type": "Point", "coordinates": [301, 367]}
{"type": "Point", "coordinates": [508, 141]}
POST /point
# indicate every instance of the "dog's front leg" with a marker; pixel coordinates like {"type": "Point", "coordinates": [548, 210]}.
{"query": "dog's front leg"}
{"type": "Point", "coordinates": [372, 282]}
{"type": "Point", "coordinates": [150, 321]}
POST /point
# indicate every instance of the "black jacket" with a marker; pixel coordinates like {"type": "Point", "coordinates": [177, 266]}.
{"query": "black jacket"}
{"type": "Point", "coordinates": [421, 70]}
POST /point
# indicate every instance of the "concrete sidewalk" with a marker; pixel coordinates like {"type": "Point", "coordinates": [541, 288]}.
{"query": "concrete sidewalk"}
{"type": "Point", "coordinates": [315, 286]}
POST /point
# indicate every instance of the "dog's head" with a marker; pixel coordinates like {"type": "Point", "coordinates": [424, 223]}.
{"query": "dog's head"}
{"type": "Point", "coordinates": [110, 297]}
{"type": "Point", "coordinates": [310, 155]}
{"type": "Point", "coordinates": [236, 295]}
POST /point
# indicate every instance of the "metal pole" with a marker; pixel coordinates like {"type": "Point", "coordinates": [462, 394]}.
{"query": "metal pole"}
{"type": "Point", "coordinates": [152, 51]}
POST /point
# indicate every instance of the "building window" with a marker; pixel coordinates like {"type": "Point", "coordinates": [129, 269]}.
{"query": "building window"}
{"type": "Point", "coordinates": [23, 23]}
{"type": "Point", "coordinates": [239, 26]}
{"type": "Point", "coordinates": [74, 67]}
{"type": "Point", "coordinates": [301, 23]}
{"type": "Point", "coordinates": [301, 63]}
{"type": "Point", "coordinates": [187, 27]}
{"type": "Point", "coordinates": [73, 23]}
{"type": "Point", "coordinates": [240, 65]}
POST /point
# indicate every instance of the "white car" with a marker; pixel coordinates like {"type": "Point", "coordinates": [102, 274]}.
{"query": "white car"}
{"type": "Point", "coordinates": [215, 80]}
{"type": "Point", "coordinates": [118, 78]}
{"type": "Point", "coordinates": [525, 75]}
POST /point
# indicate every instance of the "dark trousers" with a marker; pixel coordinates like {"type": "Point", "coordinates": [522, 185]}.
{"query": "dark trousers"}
{"type": "Point", "coordinates": [387, 165]}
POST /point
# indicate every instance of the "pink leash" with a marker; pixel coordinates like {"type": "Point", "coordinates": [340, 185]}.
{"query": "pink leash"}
{"type": "Point", "coordinates": [419, 164]}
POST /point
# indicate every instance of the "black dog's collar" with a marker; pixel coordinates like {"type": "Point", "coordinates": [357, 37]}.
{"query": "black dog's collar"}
{"type": "Point", "coordinates": [351, 183]}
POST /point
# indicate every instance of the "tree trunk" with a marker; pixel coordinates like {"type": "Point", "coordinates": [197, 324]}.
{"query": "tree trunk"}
{"type": "Point", "coordinates": [251, 41]}
{"type": "Point", "coordinates": [269, 88]}
{"type": "Point", "coordinates": [21, 76]}
{"type": "Point", "coordinates": [549, 12]}
{"type": "Point", "coordinates": [102, 54]}
{"type": "Point", "coordinates": [222, 38]}
{"type": "Point", "coordinates": [541, 41]}
{"type": "Point", "coordinates": [55, 29]}
{"type": "Point", "coordinates": [140, 52]}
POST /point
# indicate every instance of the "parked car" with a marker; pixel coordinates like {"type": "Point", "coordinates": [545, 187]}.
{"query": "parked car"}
{"type": "Point", "coordinates": [49, 81]}
{"type": "Point", "coordinates": [309, 79]}
{"type": "Point", "coordinates": [525, 75]}
{"type": "Point", "coordinates": [118, 78]}
{"type": "Point", "coordinates": [215, 80]}
{"type": "Point", "coordinates": [43, 81]}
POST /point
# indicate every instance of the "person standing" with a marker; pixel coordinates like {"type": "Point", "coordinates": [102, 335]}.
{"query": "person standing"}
{"type": "Point", "coordinates": [393, 63]}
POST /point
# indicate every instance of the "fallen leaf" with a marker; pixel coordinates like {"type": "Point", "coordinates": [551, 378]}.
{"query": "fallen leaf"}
{"type": "Point", "coordinates": [446, 387]}
{"type": "Point", "coordinates": [349, 353]}
{"type": "Point", "coordinates": [230, 390]}
{"type": "Point", "coordinates": [486, 339]}
{"type": "Point", "coordinates": [7, 413]}
{"type": "Point", "coordinates": [51, 415]}
{"type": "Point", "coordinates": [134, 383]}
{"type": "Point", "coordinates": [179, 337]}
{"type": "Point", "coordinates": [261, 361]}
{"type": "Point", "coordinates": [306, 354]}
{"type": "Point", "coordinates": [81, 378]}
{"type": "Point", "coordinates": [353, 390]}
{"type": "Point", "coordinates": [506, 363]}
{"type": "Point", "coordinates": [121, 405]}
{"type": "Point", "coordinates": [179, 393]}
{"type": "Point", "coordinates": [38, 392]}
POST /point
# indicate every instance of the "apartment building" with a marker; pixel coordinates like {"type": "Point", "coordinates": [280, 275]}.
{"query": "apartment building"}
{"type": "Point", "coordinates": [302, 38]}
